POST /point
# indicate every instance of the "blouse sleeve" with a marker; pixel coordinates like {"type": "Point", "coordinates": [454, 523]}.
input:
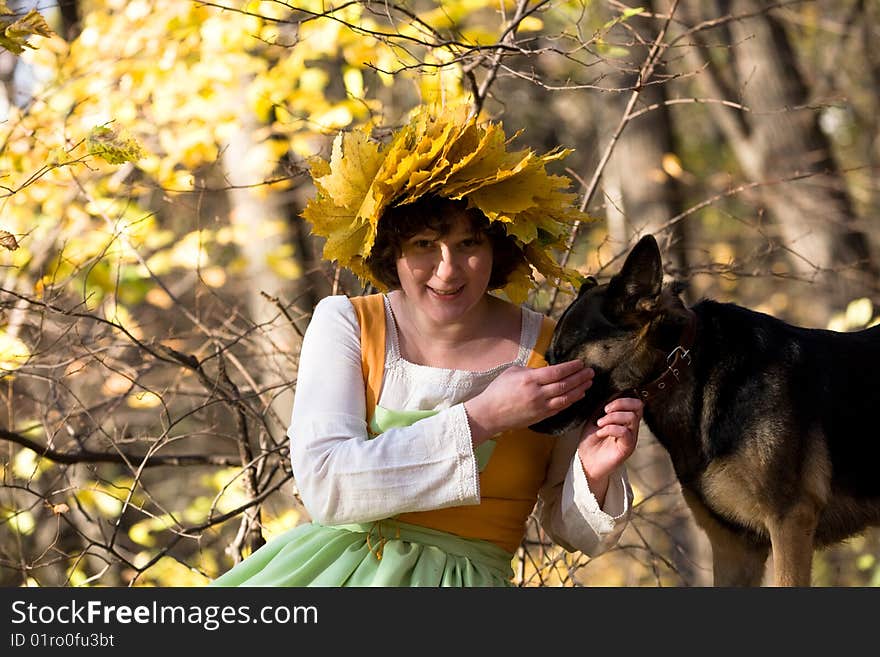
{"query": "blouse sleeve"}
{"type": "Point", "coordinates": [568, 510]}
{"type": "Point", "coordinates": [342, 475]}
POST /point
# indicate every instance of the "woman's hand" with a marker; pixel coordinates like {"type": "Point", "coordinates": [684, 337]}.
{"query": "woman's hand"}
{"type": "Point", "coordinates": [521, 396]}
{"type": "Point", "coordinates": [609, 442]}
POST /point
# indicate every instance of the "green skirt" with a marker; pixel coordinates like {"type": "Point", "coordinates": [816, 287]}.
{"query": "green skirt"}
{"type": "Point", "coordinates": [382, 553]}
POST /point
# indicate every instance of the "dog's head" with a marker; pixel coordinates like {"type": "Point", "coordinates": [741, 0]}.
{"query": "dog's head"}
{"type": "Point", "coordinates": [621, 329]}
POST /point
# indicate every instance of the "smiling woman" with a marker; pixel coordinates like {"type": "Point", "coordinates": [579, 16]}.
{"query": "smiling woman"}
{"type": "Point", "coordinates": [435, 215]}
{"type": "Point", "coordinates": [409, 438]}
{"type": "Point", "coordinates": [443, 313]}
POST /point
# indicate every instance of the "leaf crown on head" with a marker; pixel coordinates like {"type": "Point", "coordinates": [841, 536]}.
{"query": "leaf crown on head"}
{"type": "Point", "coordinates": [449, 154]}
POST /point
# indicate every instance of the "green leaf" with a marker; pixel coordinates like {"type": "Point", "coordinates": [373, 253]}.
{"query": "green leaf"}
{"type": "Point", "coordinates": [624, 16]}
{"type": "Point", "coordinates": [113, 145]}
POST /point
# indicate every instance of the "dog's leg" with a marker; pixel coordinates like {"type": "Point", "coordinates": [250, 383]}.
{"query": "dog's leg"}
{"type": "Point", "coordinates": [792, 538]}
{"type": "Point", "coordinates": [736, 561]}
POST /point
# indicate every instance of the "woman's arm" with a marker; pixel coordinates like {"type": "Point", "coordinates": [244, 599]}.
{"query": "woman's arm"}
{"type": "Point", "coordinates": [586, 500]}
{"type": "Point", "coordinates": [342, 475]}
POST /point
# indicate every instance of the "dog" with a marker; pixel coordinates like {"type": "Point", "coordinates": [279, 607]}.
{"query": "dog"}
{"type": "Point", "coordinates": [770, 427]}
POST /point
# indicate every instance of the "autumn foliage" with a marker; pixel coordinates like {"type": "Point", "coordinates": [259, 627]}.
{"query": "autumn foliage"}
{"type": "Point", "coordinates": [161, 240]}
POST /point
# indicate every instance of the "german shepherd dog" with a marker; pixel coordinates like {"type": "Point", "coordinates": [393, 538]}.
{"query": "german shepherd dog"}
{"type": "Point", "coordinates": [770, 427]}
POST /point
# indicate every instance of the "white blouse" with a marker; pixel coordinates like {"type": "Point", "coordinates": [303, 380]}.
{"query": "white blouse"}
{"type": "Point", "coordinates": [344, 477]}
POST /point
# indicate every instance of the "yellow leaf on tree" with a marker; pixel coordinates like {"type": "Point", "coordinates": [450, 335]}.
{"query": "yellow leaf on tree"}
{"type": "Point", "coordinates": [116, 384]}
{"type": "Point", "coordinates": [26, 464]}
{"type": "Point", "coordinates": [275, 525]}
{"type": "Point", "coordinates": [190, 252]}
{"type": "Point", "coordinates": [213, 276]}
{"type": "Point", "coordinates": [354, 82]}
{"type": "Point", "coordinates": [13, 353]}
{"type": "Point", "coordinates": [282, 262]}
{"type": "Point", "coordinates": [142, 532]}
{"type": "Point", "coordinates": [15, 35]}
{"type": "Point", "coordinates": [119, 315]}
{"type": "Point", "coordinates": [22, 522]}
{"type": "Point", "coordinates": [531, 24]}
{"type": "Point", "coordinates": [859, 312]}
{"type": "Point", "coordinates": [143, 399]}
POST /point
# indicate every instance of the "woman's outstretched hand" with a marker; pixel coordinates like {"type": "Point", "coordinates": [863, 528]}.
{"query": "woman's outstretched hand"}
{"type": "Point", "coordinates": [521, 396]}
{"type": "Point", "coordinates": [609, 441]}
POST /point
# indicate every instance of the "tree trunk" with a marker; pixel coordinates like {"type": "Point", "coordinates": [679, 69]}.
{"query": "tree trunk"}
{"type": "Point", "coordinates": [70, 19]}
{"type": "Point", "coordinates": [262, 217]}
{"type": "Point", "coordinates": [648, 198]}
{"type": "Point", "coordinates": [649, 195]}
{"type": "Point", "coordinates": [778, 139]}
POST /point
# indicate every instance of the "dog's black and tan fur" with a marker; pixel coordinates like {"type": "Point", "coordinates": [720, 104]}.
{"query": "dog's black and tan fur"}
{"type": "Point", "coordinates": [771, 428]}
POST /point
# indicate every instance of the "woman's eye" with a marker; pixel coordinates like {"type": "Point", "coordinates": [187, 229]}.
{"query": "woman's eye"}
{"type": "Point", "coordinates": [471, 242]}
{"type": "Point", "coordinates": [422, 244]}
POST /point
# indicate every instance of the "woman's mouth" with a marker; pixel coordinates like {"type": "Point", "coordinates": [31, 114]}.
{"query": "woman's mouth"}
{"type": "Point", "coordinates": [445, 293]}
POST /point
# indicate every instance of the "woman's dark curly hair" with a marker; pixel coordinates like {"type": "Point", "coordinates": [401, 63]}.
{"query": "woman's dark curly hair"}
{"type": "Point", "coordinates": [436, 213]}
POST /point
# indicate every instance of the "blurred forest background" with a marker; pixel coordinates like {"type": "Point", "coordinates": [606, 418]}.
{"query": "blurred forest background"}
{"type": "Point", "coordinates": [156, 277]}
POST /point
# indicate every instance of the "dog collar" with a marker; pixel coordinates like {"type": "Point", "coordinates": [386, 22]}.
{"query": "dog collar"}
{"type": "Point", "coordinates": [675, 360]}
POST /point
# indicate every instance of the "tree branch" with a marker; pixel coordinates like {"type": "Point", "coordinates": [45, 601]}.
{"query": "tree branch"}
{"type": "Point", "coordinates": [87, 456]}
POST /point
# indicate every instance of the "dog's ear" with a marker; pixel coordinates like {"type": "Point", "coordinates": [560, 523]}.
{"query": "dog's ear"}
{"type": "Point", "coordinates": [588, 284]}
{"type": "Point", "coordinates": [637, 286]}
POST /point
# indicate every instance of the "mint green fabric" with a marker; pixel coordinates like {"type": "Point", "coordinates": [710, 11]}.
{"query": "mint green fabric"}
{"type": "Point", "coordinates": [385, 419]}
{"type": "Point", "coordinates": [383, 553]}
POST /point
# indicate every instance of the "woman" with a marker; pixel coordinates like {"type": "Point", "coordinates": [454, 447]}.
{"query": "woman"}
{"type": "Point", "coordinates": [408, 436]}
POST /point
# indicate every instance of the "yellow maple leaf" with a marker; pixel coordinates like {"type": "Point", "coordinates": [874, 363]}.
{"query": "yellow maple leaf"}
{"type": "Point", "coordinates": [540, 259]}
{"type": "Point", "coordinates": [354, 161]}
{"type": "Point", "coordinates": [336, 223]}
{"type": "Point", "coordinates": [408, 161]}
{"type": "Point", "coordinates": [14, 36]}
{"type": "Point", "coordinates": [516, 194]}
{"type": "Point", "coordinates": [489, 163]}
{"type": "Point", "coordinates": [455, 154]}
{"type": "Point", "coordinates": [448, 153]}
{"type": "Point", "coordinates": [519, 283]}
{"type": "Point", "coordinates": [343, 182]}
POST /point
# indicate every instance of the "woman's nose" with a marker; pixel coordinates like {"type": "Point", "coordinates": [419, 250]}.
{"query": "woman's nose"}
{"type": "Point", "coordinates": [448, 262]}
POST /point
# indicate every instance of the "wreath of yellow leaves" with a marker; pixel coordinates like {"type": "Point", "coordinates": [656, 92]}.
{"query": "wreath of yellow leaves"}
{"type": "Point", "coordinates": [450, 154]}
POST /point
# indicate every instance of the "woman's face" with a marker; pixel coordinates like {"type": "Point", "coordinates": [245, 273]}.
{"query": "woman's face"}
{"type": "Point", "coordinates": [446, 275]}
